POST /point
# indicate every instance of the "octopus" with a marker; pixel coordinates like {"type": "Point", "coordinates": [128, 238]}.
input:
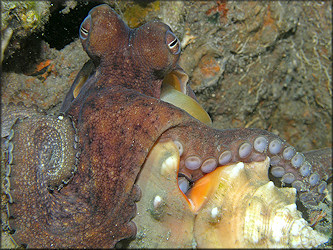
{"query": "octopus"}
{"type": "Point", "coordinates": [75, 179]}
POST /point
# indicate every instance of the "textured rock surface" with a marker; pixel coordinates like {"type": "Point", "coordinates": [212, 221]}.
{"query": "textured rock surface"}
{"type": "Point", "coordinates": [275, 63]}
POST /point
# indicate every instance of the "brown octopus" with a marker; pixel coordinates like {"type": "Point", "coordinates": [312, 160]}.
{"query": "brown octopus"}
{"type": "Point", "coordinates": [72, 178]}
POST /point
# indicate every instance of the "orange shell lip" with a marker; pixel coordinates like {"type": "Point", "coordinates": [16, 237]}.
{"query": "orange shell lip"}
{"type": "Point", "coordinates": [202, 189]}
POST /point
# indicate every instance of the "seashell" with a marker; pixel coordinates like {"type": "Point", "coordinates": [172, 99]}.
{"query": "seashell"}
{"type": "Point", "coordinates": [170, 221]}
{"type": "Point", "coordinates": [233, 206]}
{"type": "Point", "coordinates": [252, 212]}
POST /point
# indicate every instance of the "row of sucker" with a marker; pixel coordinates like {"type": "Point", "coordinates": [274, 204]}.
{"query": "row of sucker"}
{"type": "Point", "coordinates": [299, 175]}
{"type": "Point", "coordinates": [290, 166]}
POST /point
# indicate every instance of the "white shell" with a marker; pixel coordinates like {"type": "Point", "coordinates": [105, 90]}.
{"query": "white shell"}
{"type": "Point", "coordinates": [255, 213]}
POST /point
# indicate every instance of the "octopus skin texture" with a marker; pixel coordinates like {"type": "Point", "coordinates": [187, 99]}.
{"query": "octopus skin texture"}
{"type": "Point", "coordinates": [72, 178]}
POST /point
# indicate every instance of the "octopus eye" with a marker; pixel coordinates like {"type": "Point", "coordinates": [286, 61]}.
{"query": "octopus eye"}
{"type": "Point", "coordinates": [172, 42]}
{"type": "Point", "coordinates": [85, 27]}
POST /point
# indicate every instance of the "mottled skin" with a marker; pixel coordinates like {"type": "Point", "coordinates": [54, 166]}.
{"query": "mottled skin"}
{"type": "Point", "coordinates": [118, 118]}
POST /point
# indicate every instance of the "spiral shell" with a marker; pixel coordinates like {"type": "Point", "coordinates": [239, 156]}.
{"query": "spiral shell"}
{"type": "Point", "coordinates": [234, 206]}
{"type": "Point", "coordinates": [252, 212]}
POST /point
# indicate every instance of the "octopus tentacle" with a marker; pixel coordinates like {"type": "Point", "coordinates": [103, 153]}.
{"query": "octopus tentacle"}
{"type": "Point", "coordinates": [306, 172]}
{"type": "Point", "coordinates": [321, 162]}
{"type": "Point", "coordinates": [52, 145]}
{"type": "Point", "coordinates": [203, 149]}
{"type": "Point", "coordinates": [12, 112]}
{"type": "Point", "coordinates": [43, 157]}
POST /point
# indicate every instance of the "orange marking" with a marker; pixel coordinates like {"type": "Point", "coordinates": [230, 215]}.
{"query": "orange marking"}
{"type": "Point", "coordinates": [268, 20]}
{"type": "Point", "coordinates": [209, 67]}
{"type": "Point", "coordinates": [42, 65]}
{"type": "Point", "coordinates": [43, 69]}
{"type": "Point", "coordinates": [221, 7]}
